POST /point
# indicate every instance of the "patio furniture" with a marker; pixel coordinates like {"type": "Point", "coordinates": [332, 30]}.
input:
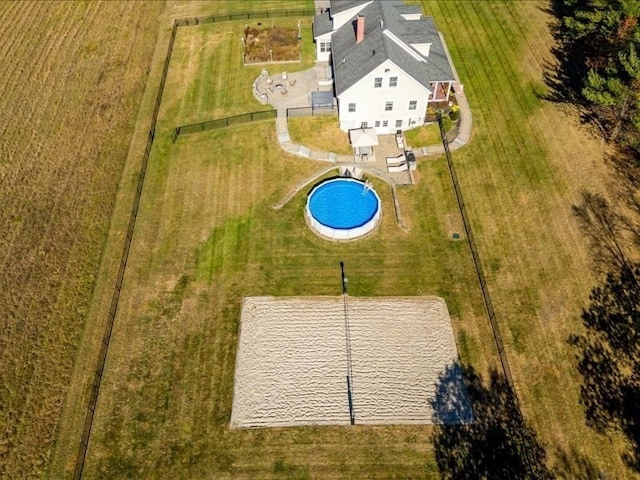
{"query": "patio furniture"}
{"type": "Point", "coordinates": [395, 160]}
{"type": "Point", "coordinates": [402, 167]}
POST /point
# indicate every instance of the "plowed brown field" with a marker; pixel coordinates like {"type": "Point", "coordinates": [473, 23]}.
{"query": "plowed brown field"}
{"type": "Point", "coordinates": [71, 82]}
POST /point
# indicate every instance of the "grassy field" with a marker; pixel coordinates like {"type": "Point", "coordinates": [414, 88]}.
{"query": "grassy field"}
{"type": "Point", "coordinates": [207, 235]}
{"type": "Point", "coordinates": [72, 78]}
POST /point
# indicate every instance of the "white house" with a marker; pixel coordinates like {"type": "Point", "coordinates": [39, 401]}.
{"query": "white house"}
{"type": "Point", "coordinates": [388, 63]}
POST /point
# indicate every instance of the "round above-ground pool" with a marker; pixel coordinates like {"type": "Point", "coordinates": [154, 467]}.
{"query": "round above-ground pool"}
{"type": "Point", "coordinates": [343, 208]}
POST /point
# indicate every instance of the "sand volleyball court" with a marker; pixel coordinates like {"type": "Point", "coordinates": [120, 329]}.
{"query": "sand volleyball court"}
{"type": "Point", "coordinates": [293, 360]}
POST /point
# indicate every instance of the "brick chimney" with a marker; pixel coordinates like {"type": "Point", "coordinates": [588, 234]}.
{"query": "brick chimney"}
{"type": "Point", "coordinates": [359, 28]}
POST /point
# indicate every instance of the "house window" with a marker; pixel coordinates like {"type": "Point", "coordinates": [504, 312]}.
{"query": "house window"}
{"type": "Point", "coordinates": [413, 104]}
{"type": "Point", "coordinates": [352, 107]}
{"type": "Point", "coordinates": [398, 123]}
{"type": "Point", "coordinates": [385, 123]}
{"type": "Point", "coordinates": [377, 82]}
{"type": "Point", "coordinates": [388, 106]}
{"type": "Point", "coordinates": [393, 81]}
{"type": "Point", "coordinates": [365, 124]}
{"type": "Point", "coordinates": [377, 123]}
{"type": "Point", "coordinates": [325, 47]}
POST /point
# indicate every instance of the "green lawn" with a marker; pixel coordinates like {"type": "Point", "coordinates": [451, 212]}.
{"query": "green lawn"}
{"type": "Point", "coordinates": [424, 136]}
{"type": "Point", "coordinates": [207, 78]}
{"type": "Point", "coordinates": [207, 235]}
{"type": "Point", "coordinates": [319, 133]}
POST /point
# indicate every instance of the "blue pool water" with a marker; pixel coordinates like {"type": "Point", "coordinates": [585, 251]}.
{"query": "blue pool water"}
{"type": "Point", "coordinates": [343, 203]}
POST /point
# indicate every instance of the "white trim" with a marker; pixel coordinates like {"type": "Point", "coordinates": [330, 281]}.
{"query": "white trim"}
{"type": "Point", "coordinates": [404, 46]}
{"type": "Point", "coordinates": [422, 48]}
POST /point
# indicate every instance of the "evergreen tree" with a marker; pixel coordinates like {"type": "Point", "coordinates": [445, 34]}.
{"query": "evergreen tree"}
{"type": "Point", "coordinates": [603, 37]}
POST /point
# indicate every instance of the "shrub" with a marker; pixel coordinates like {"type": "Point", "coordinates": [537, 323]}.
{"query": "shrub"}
{"type": "Point", "coordinates": [447, 123]}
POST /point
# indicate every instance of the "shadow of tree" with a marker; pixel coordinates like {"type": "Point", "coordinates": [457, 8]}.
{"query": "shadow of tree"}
{"type": "Point", "coordinates": [574, 466]}
{"type": "Point", "coordinates": [492, 442]}
{"type": "Point", "coordinates": [609, 358]}
{"type": "Point", "coordinates": [564, 76]}
{"type": "Point", "coordinates": [451, 404]}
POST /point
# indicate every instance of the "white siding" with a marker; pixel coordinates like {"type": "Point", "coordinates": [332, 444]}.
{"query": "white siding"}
{"type": "Point", "coordinates": [370, 102]}
{"type": "Point", "coordinates": [322, 56]}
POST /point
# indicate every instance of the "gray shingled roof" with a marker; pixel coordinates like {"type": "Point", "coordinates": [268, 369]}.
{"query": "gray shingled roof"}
{"type": "Point", "coordinates": [337, 6]}
{"type": "Point", "coordinates": [321, 24]}
{"type": "Point", "coordinates": [376, 47]}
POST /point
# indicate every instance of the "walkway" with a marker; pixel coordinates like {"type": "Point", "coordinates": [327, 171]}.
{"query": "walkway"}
{"type": "Point", "coordinates": [462, 138]}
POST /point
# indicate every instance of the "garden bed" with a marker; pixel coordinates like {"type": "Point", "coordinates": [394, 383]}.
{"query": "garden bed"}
{"type": "Point", "coordinates": [271, 44]}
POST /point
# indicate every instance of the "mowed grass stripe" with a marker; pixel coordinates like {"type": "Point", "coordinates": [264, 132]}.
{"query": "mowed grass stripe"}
{"type": "Point", "coordinates": [545, 345]}
{"type": "Point", "coordinates": [541, 247]}
{"type": "Point", "coordinates": [30, 369]}
{"type": "Point", "coordinates": [537, 220]}
{"type": "Point", "coordinates": [562, 369]}
{"type": "Point", "coordinates": [488, 81]}
{"type": "Point", "coordinates": [12, 44]}
{"type": "Point", "coordinates": [57, 208]}
{"type": "Point", "coordinates": [508, 91]}
{"type": "Point", "coordinates": [518, 149]}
